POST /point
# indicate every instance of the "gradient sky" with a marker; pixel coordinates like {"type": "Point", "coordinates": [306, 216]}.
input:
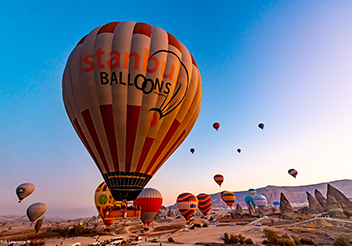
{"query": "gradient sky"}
{"type": "Point", "coordinates": [285, 63]}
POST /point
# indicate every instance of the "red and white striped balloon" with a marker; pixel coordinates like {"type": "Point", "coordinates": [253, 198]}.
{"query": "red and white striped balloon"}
{"type": "Point", "coordinates": [150, 201]}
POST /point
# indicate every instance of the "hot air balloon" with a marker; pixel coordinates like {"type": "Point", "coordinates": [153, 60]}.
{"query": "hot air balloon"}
{"type": "Point", "coordinates": [36, 210]}
{"type": "Point", "coordinates": [260, 200]}
{"type": "Point", "coordinates": [132, 93]}
{"type": "Point", "coordinates": [192, 150]}
{"type": "Point", "coordinates": [204, 203]}
{"type": "Point", "coordinates": [219, 179]}
{"type": "Point", "coordinates": [38, 225]}
{"type": "Point", "coordinates": [228, 197]}
{"type": "Point", "coordinates": [103, 200]}
{"type": "Point", "coordinates": [216, 126]}
{"type": "Point", "coordinates": [252, 192]}
{"type": "Point", "coordinates": [261, 125]}
{"type": "Point", "coordinates": [150, 200]}
{"type": "Point", "coordinates": [24, 190]}
{"type": "Point", "coordinates": [249, 199]}
{"type": "Point", "coordinates": [293, 172]}
{"type": "Point", "coordinates": [276, 204]}
{"type": "Point", "coordinates": [239, 150]}
{"type": "Point", "coordinates": [187, 204]}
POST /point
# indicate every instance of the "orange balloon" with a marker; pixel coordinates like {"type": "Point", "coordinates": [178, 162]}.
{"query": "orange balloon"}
{"type": "Point", "coordinates": [133, 93]}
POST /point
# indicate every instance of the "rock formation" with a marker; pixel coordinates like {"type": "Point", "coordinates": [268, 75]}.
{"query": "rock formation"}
{"type": "Point", "coordinates": [238, 210]}
{"type": "Point", "coordinates": [286, 208]}
{"type": "Point", "coordinates": [251, 209]}
{"type": "Point", "coordinates": [314, 205]}
{"type": "Point", "coordinates": [334, 209]}
{"type": "Point", "coordinates": [320, 198]}
{"type": "Point", "coordinates": [345, 203]}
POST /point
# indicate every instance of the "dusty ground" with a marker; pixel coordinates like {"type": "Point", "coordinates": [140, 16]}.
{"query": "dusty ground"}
{"type": "Point", "coordinates": [320, 230]}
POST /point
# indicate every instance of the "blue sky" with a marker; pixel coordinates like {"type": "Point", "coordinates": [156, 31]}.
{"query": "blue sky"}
{"type": "Point", "coordinates": [284, 63]}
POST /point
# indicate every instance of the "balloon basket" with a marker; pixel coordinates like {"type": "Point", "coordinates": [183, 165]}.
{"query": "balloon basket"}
{"type": "Point", "coordinates": [122, 214]}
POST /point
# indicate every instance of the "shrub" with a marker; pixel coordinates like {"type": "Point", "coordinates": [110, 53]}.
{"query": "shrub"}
{"type": "Point", "coordinates": [341, 241]}
{"type": "Point", "coordinates": [271, 236]}
{"type": "Point", "coordinates": [296, 240]}
{"type": "Point", "coordinates": [248, 241]}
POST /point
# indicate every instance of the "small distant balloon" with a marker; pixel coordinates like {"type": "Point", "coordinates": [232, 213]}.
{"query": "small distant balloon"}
{"type": "Point", "coordinates": [24, 190]}
{"type": "Point", "coordinates": [187, 203]}
{"type": "Point", "coordinates": [228, 197]}
{"type": "Point", "coordinates": [252, 192]}
{"type": "Point", "coordinates": [216, 126]}
{"type": "Point", "coordinates": [219, 179]}
{"type": "Point", "coordinates": [293, 172]}
{"type": "Point", "coordinates": [261, 125]}
{"type": "Point", "coordinates": [192, 150]}
{"type": "Point", "coordinates": [276, 204]}
{"type": "Point", "coordinates": [38, 225]}
{"type": "Point", "coordinates": [36, 210]}
{"type": "Point", "coordinates": [239, 150]}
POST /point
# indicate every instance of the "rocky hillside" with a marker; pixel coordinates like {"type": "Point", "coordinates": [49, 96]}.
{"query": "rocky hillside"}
{"type": "Point", "coordinates": [295, 194]}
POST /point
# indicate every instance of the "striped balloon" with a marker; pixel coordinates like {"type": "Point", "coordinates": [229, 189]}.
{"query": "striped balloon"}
{"type": "Point", "coordinates": [228, 197]}
{"type": "Point", "coordinates": [204, 203]}
{"type": "Point", "coordinates": [219, 179]}
{"type": "Point", "coordinates": [260, 200]}
{"type": "Point", "coordinates": [132, 93]}
{"type": "Point", "coordinates": [150, 201]}
{"type": "Point", "coordinates": [293, 172]}
{"type": "Point", "coordinates": [187, 204]}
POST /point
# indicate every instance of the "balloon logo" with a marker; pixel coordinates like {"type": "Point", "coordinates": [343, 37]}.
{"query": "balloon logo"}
{"type": "Point", "coordinates": [204, 203]}
{"type": "Point", "coordinates": [293, 172]}
{"type": "Point", "coordinates": [187, 204]}
{"type": "Point", "coordinates": [103, 199]}
{"type": "Point", "coordinates": [150, 200]}
{"type": "Point", "coordinates": [133, 94]}
{"type": "Point", "coordinates": [219, 179]}
{"type": "Point", "coordinates": [216, 126]}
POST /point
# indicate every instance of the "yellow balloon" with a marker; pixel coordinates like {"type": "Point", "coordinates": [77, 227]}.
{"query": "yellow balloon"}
{"type": "Point", "coordinates": [132, 93]}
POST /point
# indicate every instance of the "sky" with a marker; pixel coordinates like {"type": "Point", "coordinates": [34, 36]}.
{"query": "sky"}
{"type": "Point", "coordinates": [285, 63]}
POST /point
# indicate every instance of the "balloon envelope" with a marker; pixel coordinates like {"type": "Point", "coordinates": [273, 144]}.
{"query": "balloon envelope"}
{"type": "Point", "coordinates": [260, 200]}
{"type": "Point", "coordinates": [219, 179]}
{"type": "Point", "coordinates": [216, 126]}
{"type": "Point", "coordinates": [36, 210]}
{"type": "Point", "coordinates": [276, 204]}
{"type": "Point", "coordinates": [228, 197]}
{"type": "Point", "coordinates": [192, 150]}
{"type": "Point", "coordinates": [249, 199]}
{"type": "Point", "coordinates": [239, 150]}
{"type": "Point", "coordinates": [103, 199]}
{"type": "Point", "coordinates": [293, 172]}
{"type": "Point", "coordinates": [38, 225]}
{"type": "Point", "coordinates": [150, 200]}
{"type": "Point", "coordinates": [252, 192]}
{"type": "Point", "coordinates": [24, 190]}
{"type": "Point", "coordinates": [261, 125]}
{"type": "Point", "coordinates": [204, 203]}
{"type": "Point", "coordinates": [187, 204]}
{"type": "Point", "coordinates": [132, 93]}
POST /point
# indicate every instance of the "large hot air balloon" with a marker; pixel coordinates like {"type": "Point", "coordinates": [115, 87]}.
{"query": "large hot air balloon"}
{"type": "Point", "coordinates": [204, 203]}
{"type": "Point", "coordinates": [228, 197]}
{"type": "Point", "coordinates": [261, 125]}
{"type": "Point", "coordinates": [187, 204]}
{"type": "Point", "coordinates": [252, 192]}
{"type": "Point", "coordinates": [293, 172]}
{"type": "Point", "coordinates": [36, 210]}
{"type": "Point", "coordinates": [24, 190]}
{"type": "Point", "coordinates": [132, 93]}
{"type": "Point", "coordinates": [216, 126]}
{"type": "Point", "coordinates": [150, 201]}
{"type": "Point", "coordinates": [260, 200]}
{"type": "Point", "coordinates": [219, 179]}
{"type": "Point", "coordinates": [192, 150]}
